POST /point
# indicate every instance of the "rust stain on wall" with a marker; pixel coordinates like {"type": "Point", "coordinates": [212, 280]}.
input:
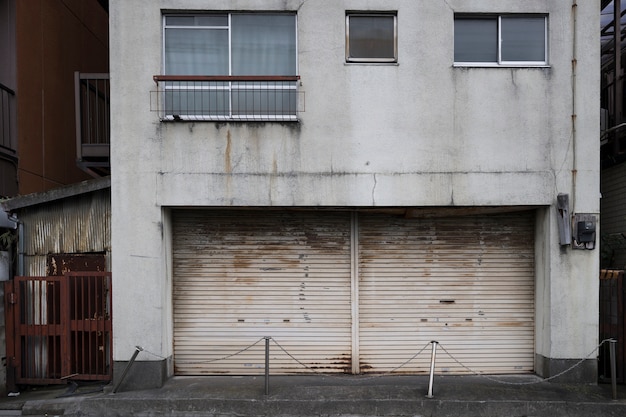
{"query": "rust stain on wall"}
{"type": "Point", "coordinates": [227, 164]}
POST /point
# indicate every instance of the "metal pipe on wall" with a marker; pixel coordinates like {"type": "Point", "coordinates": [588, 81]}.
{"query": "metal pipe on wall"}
{"type": "Point", "coordinates": [20, 248]}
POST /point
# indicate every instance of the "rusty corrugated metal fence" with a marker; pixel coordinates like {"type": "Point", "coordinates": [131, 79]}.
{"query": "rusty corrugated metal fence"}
{"type": "Point", "coordinates": [77, 225]}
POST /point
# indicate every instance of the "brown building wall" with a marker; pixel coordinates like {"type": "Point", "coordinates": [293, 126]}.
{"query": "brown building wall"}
{"type": "Point", "coordinates": [8, 141]}
{"type": "Point", "coordinates": [54, 38]}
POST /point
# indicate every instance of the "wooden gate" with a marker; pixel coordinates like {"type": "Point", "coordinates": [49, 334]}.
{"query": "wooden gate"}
{"type": "Point", "coordinates": [58, 328]}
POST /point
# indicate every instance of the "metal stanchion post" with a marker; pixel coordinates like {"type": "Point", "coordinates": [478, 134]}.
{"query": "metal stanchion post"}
{"type": "Point", "coordinates": [130, 363]}
{"type": "Point", "coordinates": [613, 367]}
{"type": "Point", "coordinates": [432, 370]}
{"type": "Point", "coordinates": [267, 365]}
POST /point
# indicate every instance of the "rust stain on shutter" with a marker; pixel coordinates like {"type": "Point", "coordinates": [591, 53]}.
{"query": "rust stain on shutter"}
{"type": "Point", "coordinates": [242, 275]}
{"type": "Point", "coordinates": [467, 282]}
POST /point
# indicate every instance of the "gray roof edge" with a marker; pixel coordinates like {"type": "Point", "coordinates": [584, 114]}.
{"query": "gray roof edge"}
{"type": "Point", "coordinates": [71, 190]}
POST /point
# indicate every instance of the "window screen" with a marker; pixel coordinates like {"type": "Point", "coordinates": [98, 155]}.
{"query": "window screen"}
{"type": "Point", "coordinates": [523, 38]}
{"type": "Point", "coordinates": [500, 40]}
{"type": "Point", "coordinates": [261, 44]}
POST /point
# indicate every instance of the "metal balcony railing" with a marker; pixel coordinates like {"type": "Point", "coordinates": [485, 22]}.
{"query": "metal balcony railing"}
{"type": "Point", "coordinates": [227, 98]}
{"type": "Point", "coordinates": [7, 120]}
{"type": "Point", "coordinates": [93, 122]}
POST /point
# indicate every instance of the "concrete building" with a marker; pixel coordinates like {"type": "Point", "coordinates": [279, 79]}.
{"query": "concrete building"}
{"type": "Point", "coordinates": [354, 180]}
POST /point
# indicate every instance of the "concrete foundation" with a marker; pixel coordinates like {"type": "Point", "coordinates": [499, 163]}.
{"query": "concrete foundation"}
{"type": "Point", "coordinates": [585, 372]}
{"type": "Point", "coordinates": [140, 375]}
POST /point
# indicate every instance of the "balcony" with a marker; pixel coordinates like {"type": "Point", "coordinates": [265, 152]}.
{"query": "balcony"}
{"type": "Point", "coordinates": [227, 98]}
{"type": "Point", "coordinates": [93, 117]}
{"type": "Point", "coordinates": [178, 98]}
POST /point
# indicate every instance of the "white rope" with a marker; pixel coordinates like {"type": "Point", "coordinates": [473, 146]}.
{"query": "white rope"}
{"type": "Point", "coordinates": [209, 360]}
{"type": "Point", "coordinates": [531, 382]}
{"type": "Point", "coordinates": [369, 377]}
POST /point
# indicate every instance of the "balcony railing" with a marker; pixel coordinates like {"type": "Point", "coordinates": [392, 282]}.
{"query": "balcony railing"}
{"type": "Point", "coordinates": [93, 116]}
{"type": "Point", "coordinates": [227, 98]}
{"type": "Point", "coordinates": [7, 120]}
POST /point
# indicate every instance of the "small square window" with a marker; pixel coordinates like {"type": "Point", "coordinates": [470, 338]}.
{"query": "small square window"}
{"type": "Point", "coordinates": [501, 40]}
{"type": "Point", "coordinates": [371, 37]}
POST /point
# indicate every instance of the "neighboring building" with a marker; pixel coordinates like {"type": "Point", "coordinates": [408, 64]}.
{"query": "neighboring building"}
{"type": "Point", "coordinates": [42, 45]}
{"type": "Point", "coordinates": [53, 134]}
{"type": "Point", "coordinates": [613, 139]}
{"type": "Point", "coordinates": [613, 186]}
{"type": "Point", "coordinates": [354, 180]}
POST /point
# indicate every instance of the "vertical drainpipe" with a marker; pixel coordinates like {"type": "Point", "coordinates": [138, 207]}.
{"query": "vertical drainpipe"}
{"type": "Point", "coordinates": [20, 248]}
{"type": "Point", "coordinates": [574, 110]}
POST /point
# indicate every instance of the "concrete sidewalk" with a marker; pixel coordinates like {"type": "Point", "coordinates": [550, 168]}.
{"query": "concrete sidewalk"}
{"type": "Point", "coordinates": [318, 395]}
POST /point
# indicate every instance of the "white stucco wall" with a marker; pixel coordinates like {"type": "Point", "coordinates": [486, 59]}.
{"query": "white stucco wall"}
{"type": "Point", "coordinates": [417, 133]}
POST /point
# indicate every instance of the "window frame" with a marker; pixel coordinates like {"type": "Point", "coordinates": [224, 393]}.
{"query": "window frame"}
{"type": "Point", "coordinates": [499, 61]}
{"type": "Point", "coordinates": [381, 60]}
{"type": "Point", "coordinates": [233, 87]}
{"type": "Point", "coordinates": [165, 26]}
{"type": "Point", "coordinates": [228, 27]}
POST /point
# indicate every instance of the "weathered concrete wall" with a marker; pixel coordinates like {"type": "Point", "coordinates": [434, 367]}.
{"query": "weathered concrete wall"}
{"type": "Point", "coordinates": [421, 132]}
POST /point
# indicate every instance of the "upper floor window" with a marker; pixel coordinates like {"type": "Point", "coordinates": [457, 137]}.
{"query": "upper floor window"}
{"type": "Point", "coordinates": [239, 66]}
{"type": "Point", "coordinates": [506, 40]}
{"type": "Point", "coordinates": [371, 37]}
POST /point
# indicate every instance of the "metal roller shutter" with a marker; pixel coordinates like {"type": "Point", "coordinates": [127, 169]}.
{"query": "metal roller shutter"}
{"type": "Point", "coordinates": [466, 282]}
{"type": "Point", "coordinates": [240, 276]}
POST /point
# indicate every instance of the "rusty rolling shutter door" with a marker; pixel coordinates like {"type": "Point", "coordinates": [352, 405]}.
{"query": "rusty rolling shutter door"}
{"type": "Point", "coordinates": [240, 276]}
{"type": "Point", "coordinates": [466, 282]}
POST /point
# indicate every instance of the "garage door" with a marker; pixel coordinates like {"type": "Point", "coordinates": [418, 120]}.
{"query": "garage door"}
{"type": "Point", "coordinates": [240, 276]}
{"type": "Point", "coordinates": [465, 282]}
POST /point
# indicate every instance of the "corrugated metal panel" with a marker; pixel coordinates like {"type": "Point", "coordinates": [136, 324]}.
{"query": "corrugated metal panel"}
{"type": "Point", "coordinates": [467, 283]}
{"type": "Point", "coordinates": [73, 225]}
{"type": "Point", "coordinates": [35, 266]}
{"type": "Point", "coordinates": [240, 276]}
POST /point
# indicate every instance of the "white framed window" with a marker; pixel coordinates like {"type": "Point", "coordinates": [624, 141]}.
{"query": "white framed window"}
{"type": "Point", "coordinates": [371, 37]}
{"type": "Point", "coordinates": [501, 40]}
{"type": "Point", "coordinates": [238, 66]}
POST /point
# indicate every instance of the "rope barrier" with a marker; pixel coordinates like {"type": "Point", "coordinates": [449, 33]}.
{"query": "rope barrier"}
{"type": "Point", "coordinates": [335, 375]}
{"type": "Point", "coordinates": [577, 364]}
{"type": "Point", "coordinates": [209, 360]}
{"type": "Point", "coordinates": [304, 365]}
